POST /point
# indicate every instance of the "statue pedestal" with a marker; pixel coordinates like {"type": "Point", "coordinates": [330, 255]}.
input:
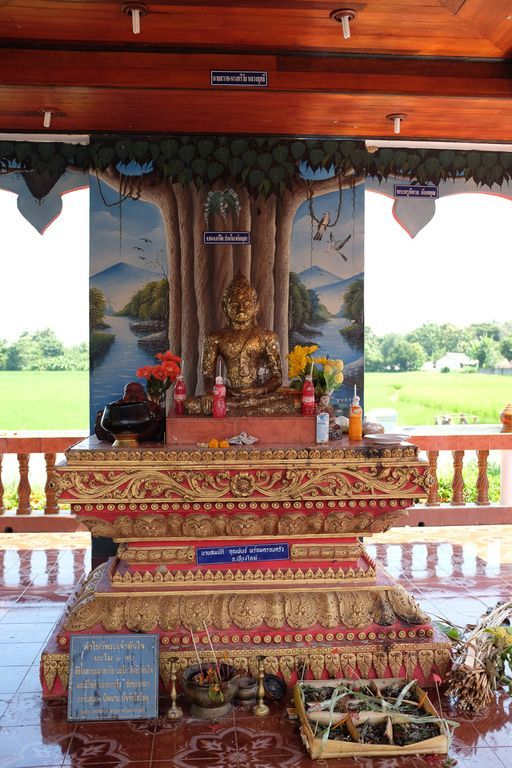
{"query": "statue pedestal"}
{"type": "Point", "coordinates": [259, 548]}
{"type": "Point", "coordinates": [270, 430]}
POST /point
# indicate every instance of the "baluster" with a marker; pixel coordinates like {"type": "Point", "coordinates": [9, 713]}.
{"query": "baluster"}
{"type": "Point", "coordinates": [458, 480]}
{"type": "Point", "coordinates": [433, 495]}
{"type": "Point", "coordinates": [51, 507]}
{"type": "Point", "coordinates": [482, 482]}
{"type": "Point", "coordinates": [24, 485]}
{"type": "Point", "coordinates": [2, 509]}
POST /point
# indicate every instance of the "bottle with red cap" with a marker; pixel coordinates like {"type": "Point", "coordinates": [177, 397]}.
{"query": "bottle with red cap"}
{"type": "Point", "coordinates": [180, 394]}
{"type": "Point", "coordinates": [308, 397]}
{"type": "Point", "coordinates": [219, 398]}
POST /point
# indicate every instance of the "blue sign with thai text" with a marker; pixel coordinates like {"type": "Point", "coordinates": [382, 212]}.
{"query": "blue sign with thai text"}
{"type": "Point", "coordinates": [241, 79]}
{"type": "Point", "coordinates": [416, 190]}
{"type": "Point", "coordinates": [244, 553]}
{"type": "Point", "coordinates": [113, 677]}
{"type": "Point", "coordinates": [227, 238]}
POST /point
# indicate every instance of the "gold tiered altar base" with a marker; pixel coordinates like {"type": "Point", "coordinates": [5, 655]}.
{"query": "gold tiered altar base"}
{"type": "Point", "coordinates": [328, 626]}
{"type": "Point", "coordinates": [269, 430]}
{"type": "Point", "coordinates": [195, 528]}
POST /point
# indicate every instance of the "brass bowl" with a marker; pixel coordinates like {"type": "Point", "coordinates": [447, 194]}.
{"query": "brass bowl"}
{"type": "Point", "coordinates": [198, 696]}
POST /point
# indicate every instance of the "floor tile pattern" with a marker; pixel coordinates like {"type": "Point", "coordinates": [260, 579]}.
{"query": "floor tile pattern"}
{"type": "Point", "coordinates": [455, 573]}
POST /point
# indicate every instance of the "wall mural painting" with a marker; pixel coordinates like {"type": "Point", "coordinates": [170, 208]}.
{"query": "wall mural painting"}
{"type": "Point", "coordinates": [163, 251]}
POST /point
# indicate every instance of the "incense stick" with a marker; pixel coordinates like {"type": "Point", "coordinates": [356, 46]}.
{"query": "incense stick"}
{"type": "Point", "coordinates": [197, 653]}
{"type": "Point", "coordinates": [211, 649]}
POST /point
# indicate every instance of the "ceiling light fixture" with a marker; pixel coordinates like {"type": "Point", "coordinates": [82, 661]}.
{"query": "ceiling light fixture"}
{"type": "Point", "coordinates": [135, 10]}
{"type": "Point", "coordinates": [396, 118]}
{"type": "Point", "coordinates": [344, 16]}
{"type": "Point", "coordinates": [47, 117]}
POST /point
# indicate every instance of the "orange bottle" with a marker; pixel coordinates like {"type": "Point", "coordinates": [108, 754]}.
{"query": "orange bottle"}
{"type": "Point", "coordinates": [355, 419]}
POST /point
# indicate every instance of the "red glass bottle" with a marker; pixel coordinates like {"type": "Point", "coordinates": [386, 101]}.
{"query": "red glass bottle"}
{"type": "Point", "coordinates": [180, 393]}
{"type": "Point", "coordinates": [308, 397]}
{"type": "Point", "coordinates": [219, 398]}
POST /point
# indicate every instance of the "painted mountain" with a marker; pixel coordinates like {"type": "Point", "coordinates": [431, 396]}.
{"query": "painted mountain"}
{"type": "Point", "coordinates": [328, 287]}
{"type": "Point", "coordinates": [119, 282]}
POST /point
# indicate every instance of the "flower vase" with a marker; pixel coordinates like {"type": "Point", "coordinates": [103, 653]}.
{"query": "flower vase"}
{"type": "Point", "coordinates": [159, 398]}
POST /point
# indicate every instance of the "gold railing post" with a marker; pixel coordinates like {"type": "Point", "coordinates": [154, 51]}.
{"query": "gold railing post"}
{"type": "Point", "coordinates": [458, 480]}
{"type": "Point", "coordinates": [24, 485]}
{"type": "Point", "coordinates": [51, 507]}
{"type": "Point", "coordinates": [2, 508]}
{"type": "Point", "coordinates": [433, 491]}
{"type": "Point", "coordinates": [482, 482]}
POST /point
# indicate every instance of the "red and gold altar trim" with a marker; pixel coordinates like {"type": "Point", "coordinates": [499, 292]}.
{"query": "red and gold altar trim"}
{"type": "Point", "coordinates": [325, 605]}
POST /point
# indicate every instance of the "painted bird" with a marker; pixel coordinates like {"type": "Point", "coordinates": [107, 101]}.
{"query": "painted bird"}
{"type": "Point", "coordinates": [335, 246]}
{"type": "Point", "coordinates": [136, 248]}
{"type": "Point", "coordinates": [146, 240]}
{"type": "Point", "coordinates": [322, 226]}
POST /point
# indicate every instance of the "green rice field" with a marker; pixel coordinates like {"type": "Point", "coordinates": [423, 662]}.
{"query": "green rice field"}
{"type": "Point", "coordinates": [44, 400]}
{"type": "Point", "coordinates": [60, 399]}
{"type": "Point", "coordinates": [419, 397]}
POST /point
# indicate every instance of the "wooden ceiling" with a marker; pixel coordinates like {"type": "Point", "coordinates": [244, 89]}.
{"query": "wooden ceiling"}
{"type": "Point", "coordinates": [446, 64]}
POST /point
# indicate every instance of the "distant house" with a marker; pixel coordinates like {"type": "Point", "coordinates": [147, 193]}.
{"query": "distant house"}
{"type": "Point", "coordinates": [455, 361]}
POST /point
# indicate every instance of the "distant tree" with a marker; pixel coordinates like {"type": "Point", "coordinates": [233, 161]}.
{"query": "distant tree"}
{"type": "Point", "coordinates": [400, 354]}
{"type": "Point", "coordinates": [22, 354]}
{"type": "Point", "coordinates": [505, 347]}
{"type": "Point", "coordinates": [479, 330]}
{"type": "Point", "coordinates": [4, 351]}
{"type": "Point", "coordinates": [436, 340]}
{"type": "Point", "coordinates": [486, 351]}
{"type": "Point", "coordinates": [48, 343]}
{"type": "Point", "coordinates": [373, 359]}
{"type": "Point", "coordinates": [97, 308]}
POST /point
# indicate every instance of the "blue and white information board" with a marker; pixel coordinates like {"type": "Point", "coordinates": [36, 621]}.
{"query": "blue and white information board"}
{"type": "Point", "coordinates": [240, 79]}
{"type": "Point", "coordinates": [243, 553]}
{"type": "Point", "coordinates": [416, 191]}
{"type": "Point", "coordinates": [227, 238]}
{"type": "Point", "coordinates": [113, 677]}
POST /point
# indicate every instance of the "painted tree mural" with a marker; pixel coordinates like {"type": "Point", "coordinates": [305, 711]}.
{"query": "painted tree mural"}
{"type": "Point", "coordinates": [266, 173]}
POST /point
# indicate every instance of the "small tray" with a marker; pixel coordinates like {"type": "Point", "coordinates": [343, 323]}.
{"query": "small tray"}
{"type": "Point", "coordinates": [325, 748]}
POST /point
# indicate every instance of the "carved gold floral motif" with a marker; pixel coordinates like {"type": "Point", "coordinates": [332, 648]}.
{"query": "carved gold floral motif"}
{"type": "Point", "coordinates": [152, 485]}
{"type": "Point", "coordinates": [55, 666]}
{"type": "Point", "coordinates": [155, 554]}
{"type": "Point", "coordinates": [164, 577]}
{"type": "Point", "coordinates": [205, 456]}
{"type": "Point", "coordinates": [298, 610]}
{"type": "Point", "coordinates": [326, 551]}
{"type": "Point", "coordinates": [205, 526]}
{"type": "Point", "coordinates": [372, 658]}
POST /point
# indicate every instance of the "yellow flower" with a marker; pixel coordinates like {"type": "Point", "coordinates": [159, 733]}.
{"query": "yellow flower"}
{"type": "Point", "coordinates": [321, 360]}
{"type": "Point", "coordinates": [338, 379]}
{"type": "Point", "coordinates": [327, 370]}
{"type": "Point", "coordinates": [337, 364]}
{"type": "Point", "coordinates": [299, 360]}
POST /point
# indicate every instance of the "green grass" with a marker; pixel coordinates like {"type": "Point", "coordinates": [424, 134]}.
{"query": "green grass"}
{"type": "Point", "coordinates": [44, 400]}
{"type": "Point", "coordinates": [421, 396]}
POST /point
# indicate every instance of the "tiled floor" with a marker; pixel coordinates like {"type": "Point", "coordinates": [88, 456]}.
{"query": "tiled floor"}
{"type": "Point", "coordinates": [455, 573]}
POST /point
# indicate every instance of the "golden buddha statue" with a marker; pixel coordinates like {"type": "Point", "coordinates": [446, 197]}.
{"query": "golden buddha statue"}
{"type": "Point", "coordinates": [252, 360]}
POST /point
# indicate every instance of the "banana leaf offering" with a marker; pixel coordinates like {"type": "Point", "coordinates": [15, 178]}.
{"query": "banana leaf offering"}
{"type": "Point", "coordinates": [369, 717]}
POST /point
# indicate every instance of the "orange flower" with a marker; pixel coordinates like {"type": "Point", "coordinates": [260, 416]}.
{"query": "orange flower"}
{"type": "Point", "coordinates": [168, 357]}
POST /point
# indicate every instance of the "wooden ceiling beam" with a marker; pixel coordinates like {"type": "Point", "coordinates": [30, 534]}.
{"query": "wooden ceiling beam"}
{"type": "Point", "coordinates": [107, 110]}
{"type": "Point", "coordinates": [175, 71]}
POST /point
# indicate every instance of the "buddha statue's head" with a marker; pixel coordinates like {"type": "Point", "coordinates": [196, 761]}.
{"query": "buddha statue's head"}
{"type": "Point", "coordinates": [240, 302]}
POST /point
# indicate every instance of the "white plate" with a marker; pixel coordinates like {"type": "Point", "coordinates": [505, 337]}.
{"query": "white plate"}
{"type": "Point", "coordinates": [386, 438]}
